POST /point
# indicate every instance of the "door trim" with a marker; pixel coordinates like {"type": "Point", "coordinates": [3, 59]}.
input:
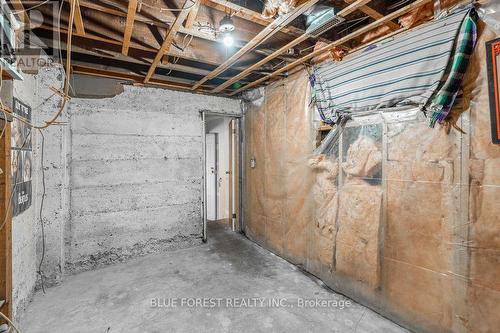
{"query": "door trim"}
{"type": "Point", "coordinates": [204, 114]}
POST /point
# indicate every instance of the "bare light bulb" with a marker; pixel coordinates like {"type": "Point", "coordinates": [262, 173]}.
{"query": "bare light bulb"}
{"type": "Point", "coordinates": [228, 40]}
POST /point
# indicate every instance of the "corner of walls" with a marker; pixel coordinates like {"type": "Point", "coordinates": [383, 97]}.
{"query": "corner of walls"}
{"type": "Point", "coordinates": [27, 241]}
{"type": "Point", "coordinates": [24, 226]}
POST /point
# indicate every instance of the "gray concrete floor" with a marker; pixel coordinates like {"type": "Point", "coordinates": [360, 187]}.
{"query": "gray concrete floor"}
{"type": "Point", "coordinates": [118, 298]}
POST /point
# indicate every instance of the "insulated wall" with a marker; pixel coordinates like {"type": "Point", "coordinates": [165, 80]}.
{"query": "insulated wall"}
{"type": "Point", "coordinates": [399, 216]}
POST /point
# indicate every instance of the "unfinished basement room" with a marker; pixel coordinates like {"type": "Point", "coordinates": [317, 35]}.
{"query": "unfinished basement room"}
{"type": "Point", "coordinates": [250, 166]}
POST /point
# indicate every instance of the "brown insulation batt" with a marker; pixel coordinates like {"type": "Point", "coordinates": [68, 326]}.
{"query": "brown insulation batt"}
{"type": "Point", "coordinates": [399, 216]}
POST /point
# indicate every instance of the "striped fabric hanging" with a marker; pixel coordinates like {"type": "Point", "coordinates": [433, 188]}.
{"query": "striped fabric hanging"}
{"type": "Point", "coordinates": [409, 70]}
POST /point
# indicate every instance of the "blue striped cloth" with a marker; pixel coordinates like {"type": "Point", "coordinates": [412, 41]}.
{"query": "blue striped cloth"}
{"type": "Point", "coordinates": [405, 71]}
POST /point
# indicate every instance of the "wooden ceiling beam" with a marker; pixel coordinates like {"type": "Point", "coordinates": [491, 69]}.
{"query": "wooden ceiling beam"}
{"type": "Point", "coordinates": [375, 15]}
{"type": "Point", "coordinates": [192, 16]}
{"type": "Point", "coordinates": [114, 44]}
{"type": "Point", "coordinates": [167, 43]}
{"type": "Point", "coordinates": [134, 78]}
{"type": "Point", "coordinates": [120, 58]}
{"type": "Point", "coordinates": [338, 42]}
{"type": "Point", "coordinates": [129, 25]}
{"type": "Point", "coordinates": [20, 11]}
{"type": "Point", "coordinates": [248, 14]}
{"type": "Point", "coordinates": [346, 11]}
{"type": "Point", "coordinates": [80, 27]}
{"type": "Point", "coordinates": [183, 30]}
{"type": "Point", "coordinates": [265, 34]}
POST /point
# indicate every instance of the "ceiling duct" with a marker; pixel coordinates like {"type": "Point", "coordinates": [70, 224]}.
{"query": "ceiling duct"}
{"type": "Point", "coordinates": [320, 19]}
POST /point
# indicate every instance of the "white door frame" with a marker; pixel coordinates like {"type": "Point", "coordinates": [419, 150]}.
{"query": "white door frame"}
{"type": "Point", "coordinates": [215, 173]}
{"type": "Point", "coordinates": [204, 115]}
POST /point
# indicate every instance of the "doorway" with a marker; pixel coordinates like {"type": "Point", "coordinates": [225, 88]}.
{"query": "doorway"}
{"type": "Point", "coordinates": [222, 176]}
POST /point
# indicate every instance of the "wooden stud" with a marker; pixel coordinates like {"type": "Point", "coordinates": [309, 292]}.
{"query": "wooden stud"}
{"type": "Point", "coordinates": [167, 43]}
{"type": "Point", "coordinates": [6, 217]}
{"type": "Point", "coordinates": [265, 34]}
{"type": "Point", "coordinates": [129, 25]}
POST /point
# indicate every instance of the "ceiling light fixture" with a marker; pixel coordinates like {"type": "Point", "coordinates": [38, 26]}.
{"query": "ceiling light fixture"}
{"type": "Point", "coordinates": [228, 39]}
{"type": "Point", "coordinates": [226, 27]}
{"type": "Point", "coordinates": [226, 24]}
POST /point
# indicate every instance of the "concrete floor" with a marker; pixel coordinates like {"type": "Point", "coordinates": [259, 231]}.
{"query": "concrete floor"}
{"type": "Point", "coordinates": [118, 298]}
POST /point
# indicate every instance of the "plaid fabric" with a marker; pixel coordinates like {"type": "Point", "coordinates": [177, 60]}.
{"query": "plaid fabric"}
{"type": "Point", "coordinates": [445, 96]}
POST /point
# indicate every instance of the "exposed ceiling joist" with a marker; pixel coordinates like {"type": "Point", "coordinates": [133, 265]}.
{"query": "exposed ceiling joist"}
{"type": "Point", "coordinates": [114, 44]}
{"type": "Point", "coordinates": [346, 11]}
{"type": "Point", "coordinates": [375, 15]}
{"type": "Point", "coordinates": [265, 34]}
{"type": "Point", "coordinates": [134, 78]}
{"type": "Point", "coordinates": [192, 16]}
{"type": "Point", "coordinates": [167, 43]}
{"type": "Point", "coordinates": [140, 18]}
{"type": "Point", "coordinates": [109, 57]}
{"type": "Point", "coordinates": [338, 42]}
{"type": "Point", "coordinates": [80, 27]}
{"type": "Point", "coordinates": [247, 14]}
{"type": "Point", "coordinates": [20, 11]}
{"type": "Point", "coordinates": [355, 5]}
{"type": "Point", "coordinates": [129, 25]}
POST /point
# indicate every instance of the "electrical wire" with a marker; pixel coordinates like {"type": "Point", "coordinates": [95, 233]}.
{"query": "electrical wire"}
{"type": "Point", "coordinates": [65, 94]}
{"type": "Point", "coordinates": [183, 47]}
{"type": "Point", "coordinates": [356, 22]}
{"type": "Point", "coordinates": [33, 7]}
{"type": "Point", "coordinates": [398, 4]}
{"type": "Point", "coordinates": [162, 9]}
{"type": "Point", "coordinates": [42, 227]}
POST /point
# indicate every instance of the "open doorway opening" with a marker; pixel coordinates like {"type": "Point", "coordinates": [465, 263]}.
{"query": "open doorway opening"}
{"type": "Point", "coordinates": [222, 171]}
